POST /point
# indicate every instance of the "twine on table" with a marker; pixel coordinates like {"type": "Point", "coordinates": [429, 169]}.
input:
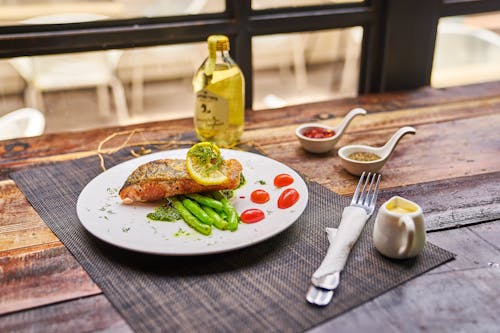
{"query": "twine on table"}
{"type": "Point", "coordinates": [162, 144]}
{"type": "Point", "coordinates": [142, 151]}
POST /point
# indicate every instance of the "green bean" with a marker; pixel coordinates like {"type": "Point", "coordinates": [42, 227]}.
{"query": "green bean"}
{"type": "Point", "coordinates": [206, 201]}
{"type": "Point", "coordinates": [190, 219]}
{"type": "Point", "coordinates": [232, 215]}
{"type": "Point", "coordinates": [196, 210]}
{"type": "Point", "coordinates": [223, 215]}
{"type": "Point", "coordinates": [219, 222]}
{"type": "Point", "coordinates": [232, 220]}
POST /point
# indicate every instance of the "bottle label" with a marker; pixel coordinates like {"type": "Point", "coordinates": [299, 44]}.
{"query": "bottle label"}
{"type": "Point", "coordinates": [212, 111]}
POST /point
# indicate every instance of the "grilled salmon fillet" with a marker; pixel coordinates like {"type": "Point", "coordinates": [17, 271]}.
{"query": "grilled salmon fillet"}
{"type": "Point", "coordinates": [164, 178]}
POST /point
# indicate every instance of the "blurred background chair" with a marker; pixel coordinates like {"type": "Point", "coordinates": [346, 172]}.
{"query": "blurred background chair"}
{"type": "Point", "coordinates": [452, 66]}
{"type": "Point", "coordinates": [352, 52]}
{"type": "Point", "coordinates": [165, 61]}
{"type": "Point", "coordinates": [24, 122]}
{"type": "Point", "coordinates": [282, 51]}
{"type": "Point", "coordinates": [73, 71]}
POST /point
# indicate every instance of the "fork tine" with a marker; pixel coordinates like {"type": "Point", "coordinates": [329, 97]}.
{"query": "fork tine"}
{"type": "Point", "coordinates": [369, 195]}
{"type": "Point", "coordinates": [362, 196]}
{"type": "Point", "coordinates": [356, 192]}
{"type": "Point", "coordinates": [365, 195]}
{"type": "Point", "coordinates": [373, 199]}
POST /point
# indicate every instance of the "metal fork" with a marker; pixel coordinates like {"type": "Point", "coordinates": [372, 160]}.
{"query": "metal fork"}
{"type": "Point", "coordinates": [366, 199]}
{"type": "Point", "coordinates": [354, 217]}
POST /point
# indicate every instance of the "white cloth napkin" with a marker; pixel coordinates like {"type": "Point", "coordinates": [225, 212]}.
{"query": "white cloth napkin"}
{"type": "Point", "coordinates": [331, 232]}
{"type": "Point", "coordinates": [342, 240]}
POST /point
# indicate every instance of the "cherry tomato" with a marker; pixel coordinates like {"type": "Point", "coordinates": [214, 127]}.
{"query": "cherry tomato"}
{"type": "Point", "coordinates": [252, 215]}
{"type": "Point", "coordinates": [283, 179]}
{"type": "Point", "coordinates": [318, 133]}
{"type": "Point", "coordinates": [288, 198]}
{"type": "Point", "coordinates": [259, 196]}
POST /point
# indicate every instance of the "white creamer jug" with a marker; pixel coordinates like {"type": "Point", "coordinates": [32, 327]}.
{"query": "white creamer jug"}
{"type": "Point", "coordinates": [399, 230]}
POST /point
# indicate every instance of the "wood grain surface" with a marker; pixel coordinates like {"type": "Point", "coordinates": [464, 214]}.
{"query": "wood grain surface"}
{"type": "Point", "coordinates": [35, 268]}
{"type": "Point", "coordinates": [20, 225]}
{"type": "Point", "coordinates": [40, 275]}
{"type": "Point", "coordinates": [451, 167]}
{"type": "Point", "coordinates": [453, 202]}
{"type": "Point", "coordinates": [268, 128]}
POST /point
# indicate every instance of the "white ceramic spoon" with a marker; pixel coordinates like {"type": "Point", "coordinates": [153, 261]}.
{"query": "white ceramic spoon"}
{"type": "Point", "coordinates": [356, 167]}
{"type": "Point", "coordinates": [323, 145]}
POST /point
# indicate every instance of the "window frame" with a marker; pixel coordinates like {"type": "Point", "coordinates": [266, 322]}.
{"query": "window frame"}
{"type": "Point", "coordinates": [386, 25]}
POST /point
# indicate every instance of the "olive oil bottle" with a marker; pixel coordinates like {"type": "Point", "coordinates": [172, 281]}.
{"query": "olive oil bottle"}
{"type": "Point", "coordinates": [220, 96]}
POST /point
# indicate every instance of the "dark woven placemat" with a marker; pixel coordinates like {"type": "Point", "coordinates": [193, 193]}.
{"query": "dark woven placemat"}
{"type": "Point", "coordinates": [259, 288]}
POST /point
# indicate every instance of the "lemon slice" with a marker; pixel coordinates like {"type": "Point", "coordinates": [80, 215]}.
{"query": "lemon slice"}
{"type": "Point", "coordinates": [204, 163]}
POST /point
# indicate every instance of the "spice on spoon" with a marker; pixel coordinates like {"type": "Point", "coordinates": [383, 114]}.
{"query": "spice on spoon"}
{"type": "Point", "coordinates": [363, 156]}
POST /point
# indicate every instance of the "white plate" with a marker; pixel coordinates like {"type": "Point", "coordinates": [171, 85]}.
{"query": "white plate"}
{"type": "Point", "coordinates": [101, 212]}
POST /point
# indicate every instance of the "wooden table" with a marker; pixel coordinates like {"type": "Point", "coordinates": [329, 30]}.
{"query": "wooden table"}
{"type": "Point", "coordinates": [457, 148]}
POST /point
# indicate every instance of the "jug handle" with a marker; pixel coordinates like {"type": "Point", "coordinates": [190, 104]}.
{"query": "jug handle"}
{"type": "Point", "coordinates": [409, 225]}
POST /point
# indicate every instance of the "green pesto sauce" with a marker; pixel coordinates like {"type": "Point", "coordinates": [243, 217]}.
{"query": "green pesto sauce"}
{"type": "Point", "coordinates": [227, 193]}
{"type": "Point", "coordinates": [243, 181]}
{"type": "Point", "coordinates": [165, 213]}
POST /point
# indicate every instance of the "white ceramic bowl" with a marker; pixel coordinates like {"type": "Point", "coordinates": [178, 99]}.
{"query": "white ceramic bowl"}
{"type": "Point", "coordinates": [316, 145]}
{"type": "Point", "coordinates": [326, 144]}
{"type": "Point", "coordinates": [356, 167]}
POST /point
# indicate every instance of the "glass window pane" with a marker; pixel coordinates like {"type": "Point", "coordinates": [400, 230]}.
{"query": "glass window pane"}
{"type": "Point", "coordinates": [263, 4]}
{"type": "Point", "coordinates": [467, 50]}
{"type": "Point", "coordinates": [64, 11]}
{"type": "Point", "coordinates": [299, 68]}
{"type": "Point", "coordinates": [79, 91]}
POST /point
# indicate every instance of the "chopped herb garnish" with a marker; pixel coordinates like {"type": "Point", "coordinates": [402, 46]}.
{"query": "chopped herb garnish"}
{"type": "Point", "coordinates": [261, 182]}
{"type": "Point", "coordinates": [181, 232]}
{"type": "Point", "coordinates": [111, 191]}
{"type": "Point", "coordinates": [208, 156]}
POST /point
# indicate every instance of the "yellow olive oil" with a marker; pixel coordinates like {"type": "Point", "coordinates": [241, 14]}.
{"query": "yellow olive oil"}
{"type": "Point", "coordinates": [220, 96]}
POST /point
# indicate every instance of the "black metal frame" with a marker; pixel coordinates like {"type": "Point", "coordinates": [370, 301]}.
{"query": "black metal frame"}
{"type": "Point", "coordinates": [397, 48]}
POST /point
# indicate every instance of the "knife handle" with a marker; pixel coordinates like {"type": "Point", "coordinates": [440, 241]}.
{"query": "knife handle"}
{"type": "Point", "coordinates": [352, 223]}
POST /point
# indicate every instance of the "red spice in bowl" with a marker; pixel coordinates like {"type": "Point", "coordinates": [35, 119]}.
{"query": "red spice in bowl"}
{"type": "Point", "coordinates": [317, 133]}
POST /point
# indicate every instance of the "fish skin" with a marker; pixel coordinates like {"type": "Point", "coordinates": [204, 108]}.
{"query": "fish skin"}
{"type": "Point", "coordinates": [164, 178]}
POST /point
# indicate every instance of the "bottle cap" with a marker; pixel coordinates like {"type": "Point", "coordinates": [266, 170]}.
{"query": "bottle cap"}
{"type": "Point", "coordinates": [218, 42]}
